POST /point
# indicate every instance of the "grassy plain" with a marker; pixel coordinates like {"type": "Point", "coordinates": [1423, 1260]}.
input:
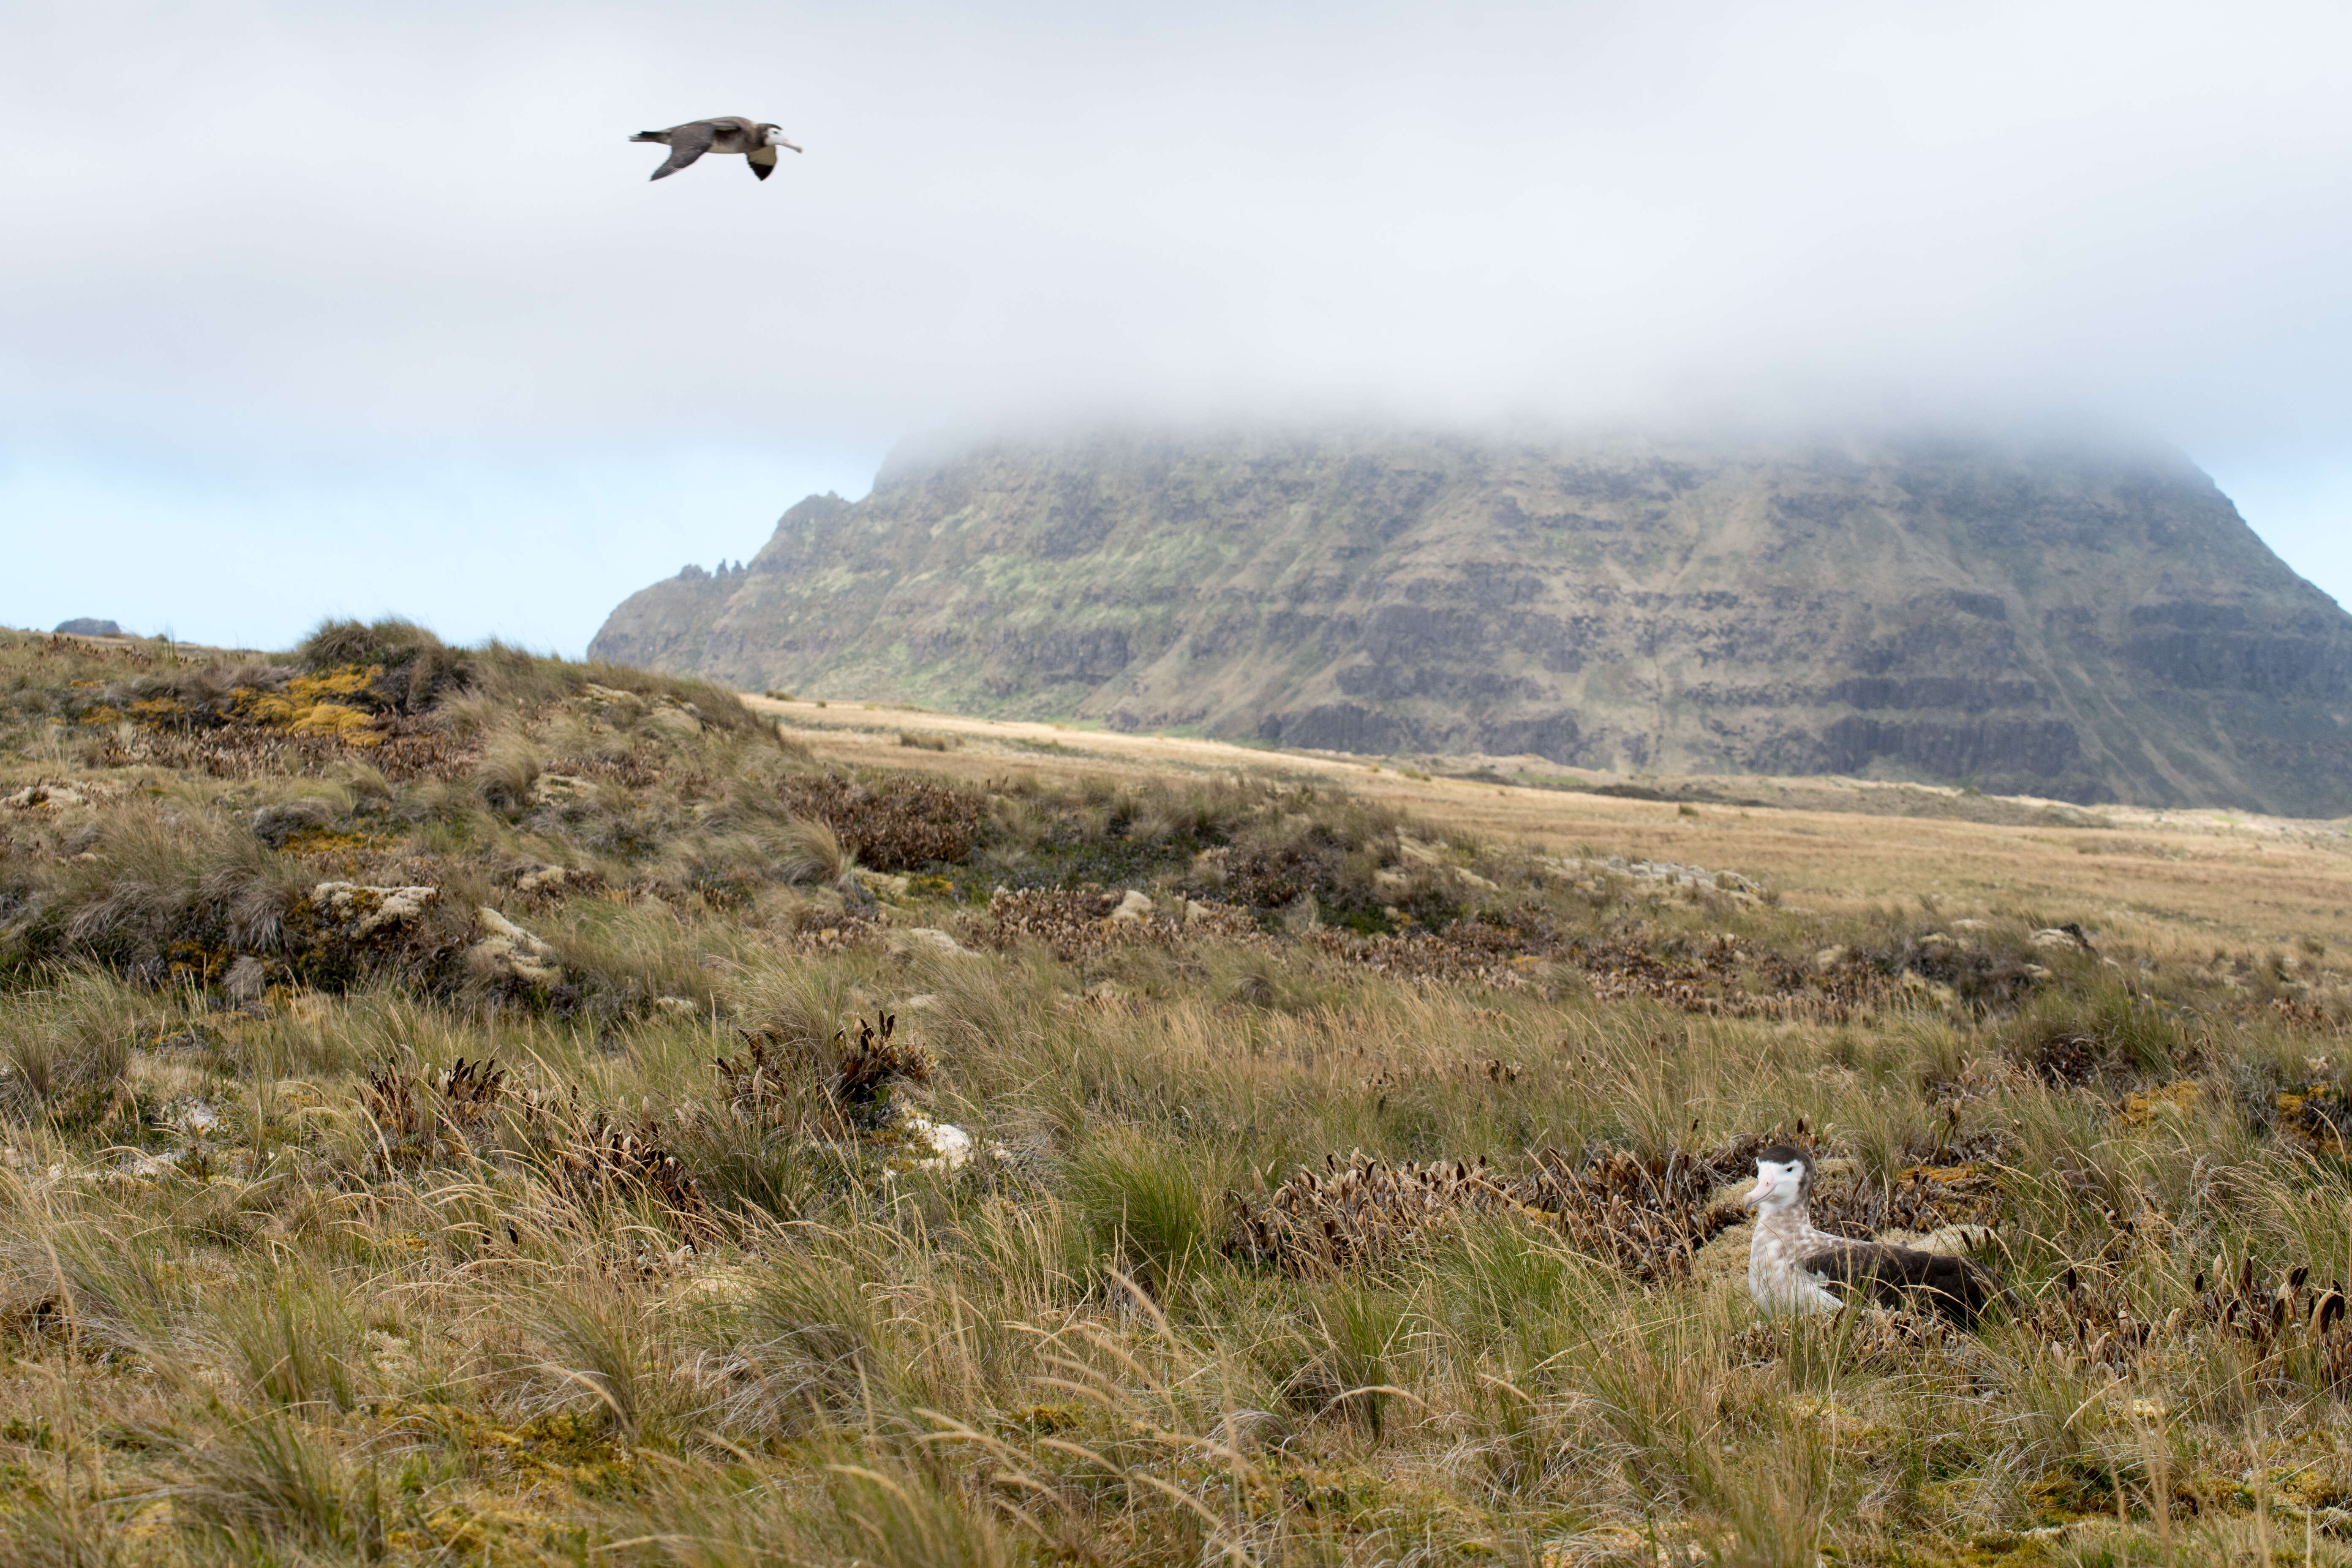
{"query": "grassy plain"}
{"type": "Point", "coordinates": [584, 1208]}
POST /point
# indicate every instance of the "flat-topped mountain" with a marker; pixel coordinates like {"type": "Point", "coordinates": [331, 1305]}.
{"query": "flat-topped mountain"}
{"type": "Point", "coordinates": [2068, 619]}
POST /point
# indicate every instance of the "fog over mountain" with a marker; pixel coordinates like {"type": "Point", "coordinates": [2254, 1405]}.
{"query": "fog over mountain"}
{"type": "Point", "coordinates": [2077, 617]}
{"type": "Point", "coordinates": [375, 309]}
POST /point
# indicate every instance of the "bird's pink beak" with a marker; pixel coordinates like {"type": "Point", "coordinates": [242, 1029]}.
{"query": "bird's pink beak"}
{"type": "Point", "coordinates": [1756, 1193]}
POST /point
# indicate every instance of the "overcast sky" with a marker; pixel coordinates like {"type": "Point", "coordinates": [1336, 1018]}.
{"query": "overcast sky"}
{"type": "Point", "coordinates": [316, 308]}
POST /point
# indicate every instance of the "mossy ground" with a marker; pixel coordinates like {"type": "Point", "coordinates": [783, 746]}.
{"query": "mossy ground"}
{"type": "Point", "coordinates": [260, 1302]}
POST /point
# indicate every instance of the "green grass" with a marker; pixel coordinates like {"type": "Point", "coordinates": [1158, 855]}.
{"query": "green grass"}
{"type": "Point", "coordinates": [627, 1309]}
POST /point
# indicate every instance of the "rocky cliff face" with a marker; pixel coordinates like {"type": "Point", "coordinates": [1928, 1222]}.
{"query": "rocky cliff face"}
{"type": "Point", "coordinates": [2057, 619]}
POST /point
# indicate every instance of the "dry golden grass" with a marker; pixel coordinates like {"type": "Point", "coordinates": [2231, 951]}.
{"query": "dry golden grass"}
{"type": "Point", "coordinates": [628, 1237]}
{"type": "Point", "coordinates": [2178, 879]}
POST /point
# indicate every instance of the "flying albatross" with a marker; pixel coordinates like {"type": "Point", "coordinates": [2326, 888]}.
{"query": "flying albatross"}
{"type": "Point", "coordinates": [755, 139]}
{"type": "Point", "coordinates": [1792, 1268]}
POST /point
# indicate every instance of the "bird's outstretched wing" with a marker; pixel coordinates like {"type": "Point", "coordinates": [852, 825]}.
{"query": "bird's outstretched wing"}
{"type": "Point", "coordinates": [1890, 1276]}
{"type": "Point", "coordinates": [763, 161]}
{"type": "Point", "coordinates": [686, 143]}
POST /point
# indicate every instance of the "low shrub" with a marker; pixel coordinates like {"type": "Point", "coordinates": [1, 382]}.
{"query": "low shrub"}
{"type": "Point", "coordinates": [892, 824]}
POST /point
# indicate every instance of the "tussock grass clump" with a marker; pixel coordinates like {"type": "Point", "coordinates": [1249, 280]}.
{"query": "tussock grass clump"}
{"type": "Point", "coordinates": [155, 892]}
{"type": "Point", "coordinates": [782, 1073]}
{"type": "Point", "coordinates": [892, 824]}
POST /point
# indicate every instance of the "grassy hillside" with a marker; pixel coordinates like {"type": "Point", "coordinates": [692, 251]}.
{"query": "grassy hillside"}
{"type": "Point", "coordinates": [464, 1107]}
{"type": "Point", "coordinates": [2066, 618]}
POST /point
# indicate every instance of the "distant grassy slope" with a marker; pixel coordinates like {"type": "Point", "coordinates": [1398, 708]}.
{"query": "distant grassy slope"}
{"type": "Point", "coordinates": [2057, 619]}
{"type": "Point", "coordinates": [2175, 879]}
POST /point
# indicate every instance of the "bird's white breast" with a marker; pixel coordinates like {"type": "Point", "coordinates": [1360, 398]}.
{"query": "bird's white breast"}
{"type": "Point", "coordinates": [1778, 1279]}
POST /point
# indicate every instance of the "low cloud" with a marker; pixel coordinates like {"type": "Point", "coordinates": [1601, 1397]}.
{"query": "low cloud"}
{"type": "Point", "coordinates": [323, 235]}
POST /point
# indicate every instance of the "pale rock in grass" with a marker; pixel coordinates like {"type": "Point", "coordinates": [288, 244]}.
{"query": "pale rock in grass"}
{"type": "Point", "coordinates": [362, 911]}
{"type": "Point", "coordinates": [506, 950]}
{"type": "Point", "coordinates": [674, 719]}
{"type": "Point", "coordinates": [677, 1006]}
{"type": "Point", "coordinates": [1135, 906]}
{"type": "Point", "coordinates": [1828, 959]}
{"type": "Point", "coordinates": [560, 789]}
{"type": "Point", "coordinates": [143, 1169]}
{"type": "Point", "coordinates": [951, 1146]}
{"type": "Point", "coordinates": [37, 795]}
{"type": "Point", "coordinates": [926, 940]}
{"type": "Point", "coordinates": [542, 879]}
{"type": "Point", "coordinates": [1936, 989]}
{"type": "Point", "coordinates": [940, 1147]}
{"type": "Point", "coordinates": [885, 884]}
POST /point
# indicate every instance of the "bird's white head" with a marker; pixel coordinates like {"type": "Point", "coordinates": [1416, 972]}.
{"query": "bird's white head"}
{"type": "Point", "coordinates": [1784, 1175]}
{"type": "Point", "coordinates": [774, 136]}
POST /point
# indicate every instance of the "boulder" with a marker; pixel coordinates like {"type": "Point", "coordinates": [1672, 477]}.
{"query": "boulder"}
{"type": "Point", "coordinates": [88, 626]}
{"type": "Point", "coordinates": [507, 951]}
{"type": "Point", "coordinates": [675, 719]}
{"type": "Point", "coordinates": [35, 796]}
{"type": "Point", "coordinates": [560, 789]}
{"type": "Point", "coordinates": [885, 884]}
{"type": "Point", "coordinates": [1828, 959]}
{"type": "Point", "coordinates": [1135, 906]}
{"type": "Point", "coordinates": [2069, 936]}
{"type": "Point", "coordinates": [1944, 995]}
{"type": "Point", "coordinates": [363, 911]}
{"type": "Point", "coordinates": [539, 880]}
{"type": "Point", "coordinates": [926, 940]}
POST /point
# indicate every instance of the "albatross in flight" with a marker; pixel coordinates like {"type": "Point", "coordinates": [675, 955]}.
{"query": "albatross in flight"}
{"type": "Point", "coordinates": [1792, 1268]}
{"type": "Point", "coordinates": [755, 139]}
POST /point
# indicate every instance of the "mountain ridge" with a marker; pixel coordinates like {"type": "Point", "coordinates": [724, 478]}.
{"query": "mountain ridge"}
{"type": "Point", "coordinates": [2087, 621]}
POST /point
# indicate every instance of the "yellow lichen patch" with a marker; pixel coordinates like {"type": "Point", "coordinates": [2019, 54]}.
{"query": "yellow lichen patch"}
{"type": "Point", "coordinates": [102, 714]}
{"type": "Point", "coordinates": [327, 844]}
{"type": "Point", "coordinates": [159, 712]}
{"type": "Point", "coordinates": [333, 719]}
{"type": "Point", "coordinates": [2318, 1119]}
{"type": "Point", "coordinates": [315, 705]}
{"type": "Point", "coordinates": [487, 1532]}
{"type": "Point", "coordinates": [2145, 1105]}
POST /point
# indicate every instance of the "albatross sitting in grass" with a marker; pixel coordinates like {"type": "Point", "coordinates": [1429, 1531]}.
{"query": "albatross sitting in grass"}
{"type": "Point", "coordinates": [1793, 1268]}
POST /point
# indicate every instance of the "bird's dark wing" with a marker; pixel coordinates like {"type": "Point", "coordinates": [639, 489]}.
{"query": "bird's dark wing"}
{"type": "Point", "coordinates": [686, 143]}
{"type": "Point", "coordinates": [1893, 1276]}
{"type": "Point", "coordinates": [763, 161]}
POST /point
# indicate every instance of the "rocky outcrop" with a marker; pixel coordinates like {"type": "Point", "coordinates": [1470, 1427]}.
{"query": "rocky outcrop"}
{"type": "Point", "coordinates": [2061, 620]}
{"type": "Point", "coordinates": [505, 951]}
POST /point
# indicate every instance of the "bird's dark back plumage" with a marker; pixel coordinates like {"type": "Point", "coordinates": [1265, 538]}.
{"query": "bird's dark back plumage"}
{"type": "Point", "coordinates": [1891, 1276]}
